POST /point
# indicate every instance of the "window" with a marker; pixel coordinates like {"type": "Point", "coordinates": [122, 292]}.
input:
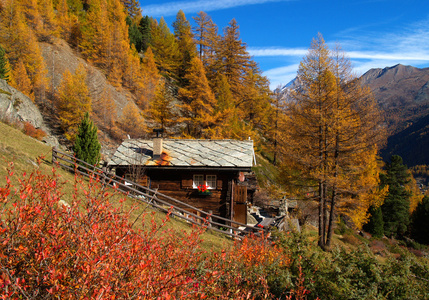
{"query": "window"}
{"type": "Point", "coordinates": [210, 181]}
{"type": "Point", "coordinates": [198, 180]}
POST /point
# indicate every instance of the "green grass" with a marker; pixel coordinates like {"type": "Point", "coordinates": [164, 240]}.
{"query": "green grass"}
{"type": "Point", "coordinates": [23, 151]}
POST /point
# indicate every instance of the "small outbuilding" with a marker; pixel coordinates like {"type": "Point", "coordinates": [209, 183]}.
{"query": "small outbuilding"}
{"type": "Point", "coordinates": [207, 174]}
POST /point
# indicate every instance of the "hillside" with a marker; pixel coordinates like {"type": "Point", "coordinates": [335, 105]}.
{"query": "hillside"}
{"type": "Point", "coordinates": [403, 94]}
{"type": "Point", "coordinates": [23, 152]}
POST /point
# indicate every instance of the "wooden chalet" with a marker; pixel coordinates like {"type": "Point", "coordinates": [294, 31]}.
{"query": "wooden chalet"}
{"type": "Point", "coordinates": [178, 168]}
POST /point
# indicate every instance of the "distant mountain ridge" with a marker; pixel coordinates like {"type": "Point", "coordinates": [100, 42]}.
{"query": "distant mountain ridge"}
{"type": "Point", "coordinates": [402, 92]}
{"type": "Point", "coordinates": [403, 95]}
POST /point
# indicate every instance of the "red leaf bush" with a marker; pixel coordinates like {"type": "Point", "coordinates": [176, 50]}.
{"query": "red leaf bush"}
{"type": "Point", "coordinates": [30, 130]}
{"type": "Point", "coordinates": [91, 249]}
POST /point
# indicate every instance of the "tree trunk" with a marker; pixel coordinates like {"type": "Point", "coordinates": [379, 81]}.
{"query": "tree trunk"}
{"type": "Point", "coordinates": [321, 242]}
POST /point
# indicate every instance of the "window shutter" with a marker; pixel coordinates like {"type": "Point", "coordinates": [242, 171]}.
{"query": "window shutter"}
{"type": "Point", "coordinates": [219, 184]}
{"type": "Point", "coordinates": [186, 183]}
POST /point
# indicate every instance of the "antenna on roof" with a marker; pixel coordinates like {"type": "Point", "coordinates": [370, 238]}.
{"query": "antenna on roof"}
{"type": "Point", "coordinates": [159, 132]}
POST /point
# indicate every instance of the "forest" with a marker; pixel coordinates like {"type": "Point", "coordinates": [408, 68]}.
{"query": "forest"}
{"type": "Point", "coordinates": [193, 82]}
{"type": "Point", "coordinates": [323, 137]}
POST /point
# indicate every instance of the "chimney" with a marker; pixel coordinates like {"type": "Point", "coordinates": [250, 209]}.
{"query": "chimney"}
{"type": "Point", "coordinates": [157, 144]}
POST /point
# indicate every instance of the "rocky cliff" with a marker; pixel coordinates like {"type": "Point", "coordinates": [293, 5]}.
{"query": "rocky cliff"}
{"type": "Point", "coordinates": [15, 107]}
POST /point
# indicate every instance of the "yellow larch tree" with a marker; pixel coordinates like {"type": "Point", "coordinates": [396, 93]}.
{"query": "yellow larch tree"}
{"type": "Point", "coordinates": [132, 121]}
{"type": "Point", "coordinates": [331, 133]}
{"type": "Point", "coordinates": [21, 81]}
{"type": "Point", "coordinates": [73, 101]}
{"type": "Point", "coordinates": [20, 42]}
{"type": "Point", "coordinates": [186, 46]}
{"type": "Point", "coordinates": [161, 113]}
{"type": "Point", "coordinates": [207, 40]}
{"type": "Point", "coordinates": [198, 101]}
{"type": "Point", "coordinates": [105, 109]}
{"type": "Point", "coordinates": [147, 89]}
{"type": "Point", "coordinates": [164, 47]}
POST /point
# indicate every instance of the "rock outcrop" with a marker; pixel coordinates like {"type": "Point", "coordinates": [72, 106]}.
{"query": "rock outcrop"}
{"type": "Point", "coordinates": [15, 107]}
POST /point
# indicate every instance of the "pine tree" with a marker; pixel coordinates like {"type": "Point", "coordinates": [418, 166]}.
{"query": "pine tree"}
{"type": "Point", "coordinates": [4, 65]}
{"type": "Point", "coordinates": [133, 9]}
{"type": "Point", "coordinates": [397, 202]}
{"type": "Point", "coordinates": [233, 60]}
{"type": "Point", "coordinates": [86, 146]}
{"type": "Point", "coordinates": [105, 108]}
{"type": "Point", "coordinates": [375, 226]}
{"type": "Point", "coordinates": [145, 30]}
{"type": "Point", "coordinates": [136, 37]}
{"type": "Point", "coordinates": [21, 81]}
{"type": "Point", "coordinates": [20, 43]}
{"type": "Point", "coordinates": [420, 222]}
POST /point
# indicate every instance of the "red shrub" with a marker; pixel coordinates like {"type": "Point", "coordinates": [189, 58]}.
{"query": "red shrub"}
{"type": "Point", "coordinates": [30, 130]}
{"type": "Point", "coordinates": [90, 250]}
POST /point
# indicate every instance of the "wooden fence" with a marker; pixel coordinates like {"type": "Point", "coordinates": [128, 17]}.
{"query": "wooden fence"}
{"type": "Point", "coordinates": [153, 198]}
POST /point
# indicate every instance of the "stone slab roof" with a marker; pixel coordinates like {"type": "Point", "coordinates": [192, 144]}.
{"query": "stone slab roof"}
{"type": "Point", "coordinates": [186, 153]}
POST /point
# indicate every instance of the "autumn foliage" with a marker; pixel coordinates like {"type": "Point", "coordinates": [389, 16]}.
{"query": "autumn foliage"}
{"type": "Point", "coordinates": [36, 133]}
{"type": "Point", "coordinates": [94, 249]}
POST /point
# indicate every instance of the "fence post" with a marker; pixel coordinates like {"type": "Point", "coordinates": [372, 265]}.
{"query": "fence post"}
{"type": "Point", "coordinates": [210, 218]}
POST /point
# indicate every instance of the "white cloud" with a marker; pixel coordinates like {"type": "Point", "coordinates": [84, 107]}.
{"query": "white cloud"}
{"type": "Point", "coordinates": [281, 75]}
{"type": "Point", "coordinates": [277, 51]}
{"type": "Point", "coordinates": [171, 8]}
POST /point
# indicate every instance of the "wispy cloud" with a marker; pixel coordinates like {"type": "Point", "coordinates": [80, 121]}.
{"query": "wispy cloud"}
{"type": "Point", "coordinates": [277, 51]}
{"type": "Point", "coordinates": [293, 52]}
{"type": "Point", "coordinates": [171, 8]}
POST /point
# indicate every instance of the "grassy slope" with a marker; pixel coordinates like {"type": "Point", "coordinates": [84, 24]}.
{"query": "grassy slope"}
{"type": "Point", "coordinates": [23, 151]}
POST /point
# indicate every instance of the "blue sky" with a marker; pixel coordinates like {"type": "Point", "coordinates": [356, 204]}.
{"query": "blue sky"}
{"type": "Point", "coordinates": [278, 33]}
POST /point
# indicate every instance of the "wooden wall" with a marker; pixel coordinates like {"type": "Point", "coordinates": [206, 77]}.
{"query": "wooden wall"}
{"type": "Point", "coordinates": [178, 184]}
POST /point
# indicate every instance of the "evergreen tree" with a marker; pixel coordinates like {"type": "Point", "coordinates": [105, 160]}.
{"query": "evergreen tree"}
{"type": "Point", "coordinates": [206, 37]}
{"type": "Point", "coordinates": [144, 28]}
{"type": "Point", "coordinates": [420, 222]}
{"type": "Point", "coordinates": [397, 202]}
{"type": "Point", "coordinates": [86, 146]}
{"type": "Point", "coordinates": [136, 37]}
{"type": "Point", "coordinates": [375, 226]}
{"type": "Point", "coordinates": [4, 65]}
